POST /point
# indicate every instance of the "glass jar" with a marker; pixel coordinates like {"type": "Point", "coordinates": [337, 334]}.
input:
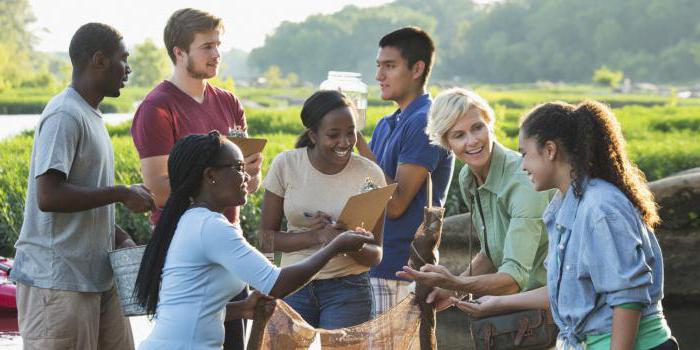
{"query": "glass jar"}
{"type": "Point", "coordinates": [351, 85]}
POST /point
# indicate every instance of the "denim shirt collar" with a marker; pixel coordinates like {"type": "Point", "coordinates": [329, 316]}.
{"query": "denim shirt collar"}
{"type": "Point", "coordinates": [569, 203]}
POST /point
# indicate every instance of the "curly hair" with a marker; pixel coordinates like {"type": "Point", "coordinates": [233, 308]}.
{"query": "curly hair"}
{"type": "Point", "coordinates": [592, 138]}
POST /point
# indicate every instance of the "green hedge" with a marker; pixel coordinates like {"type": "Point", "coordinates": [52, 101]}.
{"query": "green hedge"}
{"type": "Point", "coordinates": [659, 151]}
{"type": "Point", "coordinates": [33, 101]}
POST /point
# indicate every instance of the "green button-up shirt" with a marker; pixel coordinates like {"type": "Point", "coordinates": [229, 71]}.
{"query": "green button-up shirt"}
{"type": "Point", "coordinates": [513, 210]}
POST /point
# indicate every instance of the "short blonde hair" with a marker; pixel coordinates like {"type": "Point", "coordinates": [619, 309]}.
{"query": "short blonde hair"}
{"type": "Point", "coordinates": [449, 106]}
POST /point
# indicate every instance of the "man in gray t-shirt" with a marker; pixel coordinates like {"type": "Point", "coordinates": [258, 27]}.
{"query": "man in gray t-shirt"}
{"type": "Point", "coordinates": [65, 292]}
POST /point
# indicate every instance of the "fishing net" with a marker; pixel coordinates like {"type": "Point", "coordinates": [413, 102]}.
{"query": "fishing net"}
{"type": "Point", "coordinates": [409, 325]}
{"type": "Point", "coordinates": [394, 329]}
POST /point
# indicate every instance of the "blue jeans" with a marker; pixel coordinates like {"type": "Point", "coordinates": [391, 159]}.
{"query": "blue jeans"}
{"type": "Point", "coordinates": [334, 303]}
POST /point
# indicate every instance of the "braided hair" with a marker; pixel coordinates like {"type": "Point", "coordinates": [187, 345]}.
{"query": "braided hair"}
{"type": "Point", "coordinates": [315, 108]}
{"type": "Point", "coordinates": [188, 159]}
{"type": "Point", "coordinates": [592, 138]}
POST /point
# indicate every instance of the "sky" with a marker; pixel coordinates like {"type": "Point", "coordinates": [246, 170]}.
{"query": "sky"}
{"type": "Point", "coordinates": [247, 22]}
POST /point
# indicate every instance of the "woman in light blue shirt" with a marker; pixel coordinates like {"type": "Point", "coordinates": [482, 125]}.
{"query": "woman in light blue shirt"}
{"type": "Point", "coordinates": [604, 266]}
{"type": "Point", "coordinates": [197, 260]}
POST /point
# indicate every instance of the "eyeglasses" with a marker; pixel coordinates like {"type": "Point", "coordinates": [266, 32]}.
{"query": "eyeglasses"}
{"type": "Point", "coordinates": [237, 167]}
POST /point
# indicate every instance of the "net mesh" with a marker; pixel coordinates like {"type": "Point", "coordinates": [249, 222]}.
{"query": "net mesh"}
{"type": "Point", "coordinates": [395, 329]}
{"type": "Point", "coordinates": [405, 326]}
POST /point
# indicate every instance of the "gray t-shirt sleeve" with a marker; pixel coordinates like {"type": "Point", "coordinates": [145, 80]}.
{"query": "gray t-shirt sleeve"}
{"type": "Point", "coordinates": [57, 143]}
{"type": "Point", "coordinates": [225, 245]}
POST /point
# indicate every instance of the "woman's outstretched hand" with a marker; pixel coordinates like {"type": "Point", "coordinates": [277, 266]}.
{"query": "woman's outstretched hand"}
{"type": "Point", "coordinates": [484, 306]}
{"type": "Point", "coordinates": [352, 241]}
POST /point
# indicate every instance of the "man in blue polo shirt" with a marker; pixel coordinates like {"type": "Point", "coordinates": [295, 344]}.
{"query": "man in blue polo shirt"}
{"type": "Point", "coordinates": [402, 149]}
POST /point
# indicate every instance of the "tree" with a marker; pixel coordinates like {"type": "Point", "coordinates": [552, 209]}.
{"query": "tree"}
{"type": "Point", "coordinates": [606, 77]}
{"type": "Point", "coordinates": [16, 42]}
{"type": "Point", "coordinates": [234, 64]}
{"type": "Point", "coordinates": [9, 69]}
{"type": "Point", "coordinates": [346, 40]}
{"type": "Point", "coordinates": [15, 17]}
{"type": "Point", "coordinates": [225, 83]}
{"type": "Point", "coordinates": [292, 79]}
{"type": "Point", "coordinates": [149, 64]}
{"type": "Point", "coordinates": [273, 77]}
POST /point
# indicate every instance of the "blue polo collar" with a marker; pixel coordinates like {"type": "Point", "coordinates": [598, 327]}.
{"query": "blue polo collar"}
{"type": "Point", "coordinates": [410, 110]}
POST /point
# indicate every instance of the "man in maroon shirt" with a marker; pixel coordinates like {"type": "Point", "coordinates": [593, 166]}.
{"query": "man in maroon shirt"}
{"type": "Point", "coordinates": [186, 104]}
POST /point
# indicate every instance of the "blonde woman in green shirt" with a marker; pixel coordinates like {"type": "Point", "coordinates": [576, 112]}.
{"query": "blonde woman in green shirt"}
{"type": "Point", "coordinates": [510, 210]}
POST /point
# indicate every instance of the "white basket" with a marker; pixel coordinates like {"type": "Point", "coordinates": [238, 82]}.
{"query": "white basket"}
{"type": "Point", "coordinates": [125, 265]}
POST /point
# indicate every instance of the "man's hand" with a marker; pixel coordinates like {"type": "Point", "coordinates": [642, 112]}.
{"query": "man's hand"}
{"type": "Point", "coordinates": [431, 275]}
{"type": "Point", "coordinates": [138, 198]}
{"type": "Point", "coordinates": [253, 164]}
{"type": "Point", "coordinates": [122, 239]}
{"type": "Point", "coordinates": [127, 243]}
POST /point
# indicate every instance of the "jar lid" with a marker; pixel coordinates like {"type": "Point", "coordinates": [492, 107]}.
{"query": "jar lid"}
{"type": "Point", "coordinates": [338, 74]}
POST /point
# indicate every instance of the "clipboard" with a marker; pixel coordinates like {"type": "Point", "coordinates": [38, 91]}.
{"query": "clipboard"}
{"type": "Point", "coordinates": [366, 209]}
{"type": "Point", "coordinates": [249, 145]}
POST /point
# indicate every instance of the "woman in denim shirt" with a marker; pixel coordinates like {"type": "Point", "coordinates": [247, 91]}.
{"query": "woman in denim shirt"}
{"type": "Point", "coordinates": [463, 122]}
{"type": "Point", "coordinates": [605, 268]}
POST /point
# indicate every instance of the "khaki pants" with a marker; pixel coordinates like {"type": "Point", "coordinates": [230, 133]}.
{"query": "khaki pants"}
{"type": "Point", "coordinates": [60, 319]}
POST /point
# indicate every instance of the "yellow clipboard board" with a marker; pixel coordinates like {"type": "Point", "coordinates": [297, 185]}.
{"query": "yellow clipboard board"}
{"type": "Point", "coordinates": [366, 209]}
{"type": "Point", "coordinates": [249, 145]}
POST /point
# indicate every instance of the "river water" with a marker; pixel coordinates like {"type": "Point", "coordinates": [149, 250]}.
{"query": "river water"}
{"type": "Point", "coordinates": [14, 124]}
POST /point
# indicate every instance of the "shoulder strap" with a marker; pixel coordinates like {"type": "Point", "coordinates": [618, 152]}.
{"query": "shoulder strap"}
{"type": "Point", "coordinates": [483, 222]}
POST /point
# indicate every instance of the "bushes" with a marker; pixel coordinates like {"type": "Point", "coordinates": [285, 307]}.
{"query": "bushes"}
{"type": "Point", "coordinates": [676, 125]}
{"type": "Point", "coordinates": [606, 77]}
{"type": "Point", "coordinates": [33, 100]}
{"type": "Point", "coordinates": [14, 170]}
{"type": "Point", "coordinates": [662, 140]}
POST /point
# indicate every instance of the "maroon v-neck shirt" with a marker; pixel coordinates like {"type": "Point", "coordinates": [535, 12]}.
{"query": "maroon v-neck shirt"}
{"type": "Point", "coordinates": [168, 114]}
